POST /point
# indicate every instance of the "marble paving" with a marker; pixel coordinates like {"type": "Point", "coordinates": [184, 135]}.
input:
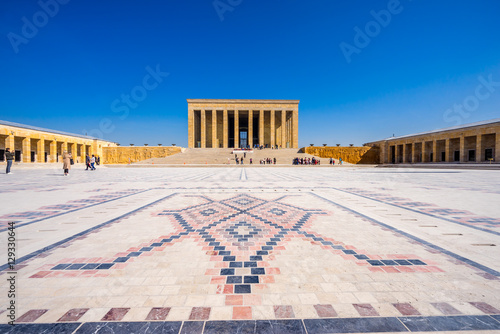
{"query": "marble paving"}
{"type": "Point", "coordinates": [251, 250]}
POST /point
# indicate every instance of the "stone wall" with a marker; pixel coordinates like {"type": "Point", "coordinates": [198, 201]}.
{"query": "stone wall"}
{"type": "Point", "coordinates": [129, 154]}
{"type": "Point", "coordinates": [353, 155]}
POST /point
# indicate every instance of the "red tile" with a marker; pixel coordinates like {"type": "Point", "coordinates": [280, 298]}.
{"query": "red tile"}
{"type": "Point", "coordinates": [73, 314]}
{"type": "Point", "coordinates": [484, 307]}
{"type": "Point", "coordinates": [283, 311]}
{"type": "Point", "coordinates": [31, 315]}
{"type": "Point", "coordinates": [252, 299]}
{"type": "Point", "coordinates": [325, 311]}
{"type": "Point", "coordinates": [390, 270]}
{"type": "Point", "coordinates": [158, 313]}
{"type": "Point", "coordinates": [40, 274]}
{"type": "Point", "coordinates": [242, 312]}
{"type": "Point", "coordinates": [406, 309]}
{"type": "Point", "coordinates": [228, 289]}
{"type": "Point", "coordinates": [366, 310]}
{"type": "Point", "coordinates": [234, 300]}
{"type": "Point", "coordinates": [446, 308]}
{"type": "Point", "coordinates": [115, 314]}
{"type": "Point", "coordinates": [200, 313]}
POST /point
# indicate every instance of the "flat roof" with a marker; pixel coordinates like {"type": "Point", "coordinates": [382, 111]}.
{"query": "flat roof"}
{"type": "Point", "coordinates": [239, 101]}
{"type": "Point", "coordinates": [29, 127]}
{"type": "Point", "coordinates": [451, 128]}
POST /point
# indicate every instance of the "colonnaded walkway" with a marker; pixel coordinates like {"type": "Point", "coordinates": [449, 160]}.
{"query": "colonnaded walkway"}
{"type": "Point", "coordinates": [251, 250]}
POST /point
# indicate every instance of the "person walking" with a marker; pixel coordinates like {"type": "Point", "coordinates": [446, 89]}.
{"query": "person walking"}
{"type": "Point", "coordinates": [9, 156]}
{"type": "Point", "coordinates": [92, 163]}
{"type": "Point", "coordinates": [87, 161]}
{"type": "Point", "coordinates": [66, 162]}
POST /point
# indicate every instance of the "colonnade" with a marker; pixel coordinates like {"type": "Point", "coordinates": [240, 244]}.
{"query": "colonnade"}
{"type": "Point", "coordinates": [481, 147]}
{"type": "Point", "coordinates": [243, 123]}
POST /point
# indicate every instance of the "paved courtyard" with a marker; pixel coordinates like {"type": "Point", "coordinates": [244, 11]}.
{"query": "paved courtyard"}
{"type": "Point", "coordinates": [251, 250]}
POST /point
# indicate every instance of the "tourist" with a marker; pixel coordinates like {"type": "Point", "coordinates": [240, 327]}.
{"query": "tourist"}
{"type": "Point", "coordinates": [340, 161]}
{"type": "Point", "coordinates": [66, 162]}
{"type": "Point", "coordinates": [92, 163]}
{"type": "Point", "coordinates": [275, 161]}
{"type": "Point", "coordinates": [9, 156]}
{"type": "Point", "coordinates": [242, 160]}
{"type": "Point", "coordinates": [250, 161]}
{"type": "Point", "coordinates": [87, 161]}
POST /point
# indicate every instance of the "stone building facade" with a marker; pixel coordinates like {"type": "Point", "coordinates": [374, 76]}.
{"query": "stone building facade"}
{"type": "Point", "coordinates": [474, 142]}
{"type": "Point", "coordinates": [33, 144]}
{"type": "Point", "coordinates": [243, 123]}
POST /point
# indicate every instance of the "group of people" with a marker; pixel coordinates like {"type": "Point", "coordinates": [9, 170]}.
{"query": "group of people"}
{"type": "Point", "coordinates": [268, 161]}
{"type": "Point", "coordinates": [306, 161]}
{"type": "Point", "coordinates": [67, 159]}
{"type": "Point", "coordinates": [332, 161]}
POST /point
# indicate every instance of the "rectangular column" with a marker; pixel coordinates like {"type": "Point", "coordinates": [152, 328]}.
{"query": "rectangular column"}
{"type": "Point", "coordinates": [463, 154]}
{"type": "Point", "coordinates": [413, 154]}
{"type": "Point", "coordinates": [203, 126]}
{"type": "Point", "coordinates": [273, 129]}
{"type": "Point", "coordinates": [191, 129]}
{"type": "Point", "coordinates": [447, 154]}
{"type": "Point", "coordinates": [434, 151]}
{"type": "Point", "coordinates": [215, 142]}
{"type": "Point", "coordinates": [404, 153]}
{"type": "Point", "coordinates": [236, 129]}
{"type": "Point", "coordinates": [40, 150]}
{"type": "Point", "coordinates": [73, 152]}
{"type": "Point", "coordinates": [261, 128]}
{"type": "Point", "coordinates": [53, 151]}
{"type": "Point", "coordinates": [10, 143]}
{"type": "Point", "coordinates": [26, 152]}
{"type": "Point", "coordinates": [496, 154]}
{"type": "Point", "coordinates": [250, 128]}
{"type": "Point", "coordinates": [225, 130]}
{"type": "Point", "coordinates": [295, 128]}
{"type": "Point", "coordinates": [283, 129]}
{"type": "Point", "coordinates": [479, 148]}
{"type": "Point", "coordinates": [424, 152]}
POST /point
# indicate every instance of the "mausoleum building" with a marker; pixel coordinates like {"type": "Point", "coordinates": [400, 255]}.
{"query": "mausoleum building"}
{"type": "Point", "coordinates": [217, 123]}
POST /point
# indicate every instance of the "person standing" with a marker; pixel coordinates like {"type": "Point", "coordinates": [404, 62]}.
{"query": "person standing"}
{"type": "Point", "coordinates": [87, 161]}
{"type": "Point", "coordinates": [66, 162]}
{"type": "Point", "coordinates": [9, 156]}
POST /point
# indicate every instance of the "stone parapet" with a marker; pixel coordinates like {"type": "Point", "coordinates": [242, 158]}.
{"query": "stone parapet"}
{"type": "Point", "coordinates": [130, 154]}
{"type": "Point", "coordinates": [353, 155]}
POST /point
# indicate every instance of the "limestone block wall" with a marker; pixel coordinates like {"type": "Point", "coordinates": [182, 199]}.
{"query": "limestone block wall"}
{"type": "Point", "coordinates": [129, 154]}
{"type": "Point", "coordinates": [353, 155]}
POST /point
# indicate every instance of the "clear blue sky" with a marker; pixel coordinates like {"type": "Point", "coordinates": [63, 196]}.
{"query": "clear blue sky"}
{"type": "Point", "coordinates": [418, 63]}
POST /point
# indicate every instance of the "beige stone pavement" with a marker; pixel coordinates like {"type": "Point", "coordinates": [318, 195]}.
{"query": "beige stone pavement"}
{"type": "Point", "coordinates": [252, 243]}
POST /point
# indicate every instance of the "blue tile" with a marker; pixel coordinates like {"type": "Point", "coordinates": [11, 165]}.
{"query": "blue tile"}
{"type": "Point", "coordinates": [251, 279]}
{"type": "Point", "coordinates": [389, 262]}
{"type": "Point", "coordinates": [75, 266]}
{"type": "Point", "coordinates": [20, 328]}
{"type": "Point", "coordinates": [375, 262]}
{"type": "Point", "coordinates": [224, 253]}
{"type": "Point", "coordinates": [122, 259]}
{"type": "Point", "coordinates": [262, 252]}
{"type": "Point", "coordinates": [157, 244]}
{"type": "Point", "coordinates": [417, 262]}
{"type": "Point", "coordinates": [256, 258]}
{"type": "Point", "coordinates": [354, 325]}
{"type": "Point", "coordinates": [105, 265]}
{"type": "Point", "coordinates": [226, 271]}
{"type": "Point", "coordinates": [361, 257]}
{"type": "Point", "coordinates": [90, 266]}
{"type": "Point", "coordinates": [130, 327]}
{"type": "Point", "coordinates": [258, 271]}
{"type": "Point", "coordinates": [61, 266]}
{"type": "Point", "coordinates": [134, 254]}
{"type": "Point", "coordinates": [403, 263]}
{"type": "Point", "coordinates": [235, 264]}
{"type": "Point", "coordinates": [192, 327]}
{"type": "Point", "coordinates": [250, 264]}
{"type": "Point", "coordinates": [229, 258]}
{"type": "Point", "coordinates": [450, 323]}
{"type": "Point", "coordinates": [242, 289]}
{"type": "Point", "coordinates": [349, 251]}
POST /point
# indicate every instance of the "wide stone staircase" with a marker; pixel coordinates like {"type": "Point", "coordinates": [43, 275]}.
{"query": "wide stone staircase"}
{"type": "Point", "coordinates": [220, 156]}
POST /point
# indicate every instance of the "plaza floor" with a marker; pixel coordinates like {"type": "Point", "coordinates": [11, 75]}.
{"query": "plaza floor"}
{"type": "Point", "coordinates": [251, 250]}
